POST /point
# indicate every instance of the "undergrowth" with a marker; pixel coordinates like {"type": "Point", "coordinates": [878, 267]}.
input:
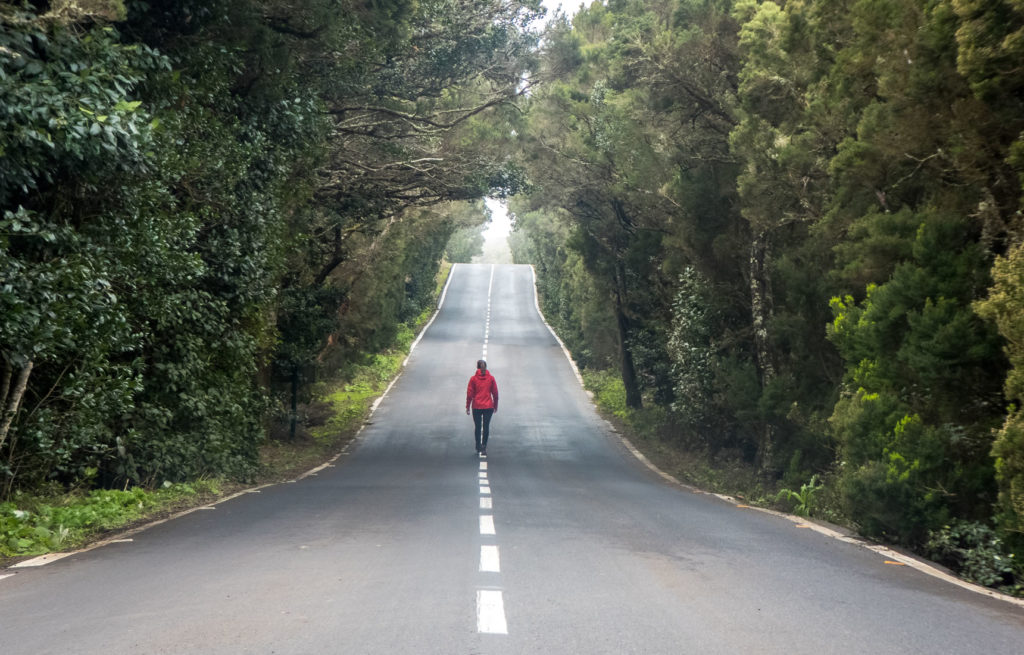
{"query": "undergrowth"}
{"type": "Point", "coordinates": [34, 525]}
{"type": "Point", "coordinates": [971, 549]}
{"type": "Point", "coordinates": [351, 397]}
{"type": "Point", "coordinates": [649, 429]}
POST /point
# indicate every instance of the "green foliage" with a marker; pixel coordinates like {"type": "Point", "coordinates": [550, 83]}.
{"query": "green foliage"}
{"type": "Point", "coordinates": [569, 297]}
{"type": "Point", "coordinates": [31, 526]}
{"type": "Point", "coordinates": [694, 358]}
{"type": "Point", "coordinates": [1005, 307]}
{"type": "Point", "coordinates": [350, 402]}
{"type": "Point", "coordinates": [67, 110]}
{"type": "Point", "coordinates": [863, 152]}
{"type": "Point", "coordinates": [198, 207]}
{"type": "Point", "coordinates": [465, 244]}
{"type": "Point", "coordinates": [803, 501]}
{"type": "Point", "coordinates": [977, 553]}
{"type": "Point", "coordinates": [925, 405]}
{"type": "Point", "coordinates": [359, 384]}
{"type": "Point", "coordinates": [609, 392]}
{"type": "Point", "coordinates": [900, 477]}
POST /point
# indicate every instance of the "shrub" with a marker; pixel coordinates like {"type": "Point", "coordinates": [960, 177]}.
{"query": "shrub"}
{"type": "Point", "coordinates": [976, 552]}
{"type": "Point", "coordinates": [803, 501]}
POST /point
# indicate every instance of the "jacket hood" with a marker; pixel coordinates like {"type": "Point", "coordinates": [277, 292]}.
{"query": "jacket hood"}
{"type": "Point", "coordinates": [483, 373]}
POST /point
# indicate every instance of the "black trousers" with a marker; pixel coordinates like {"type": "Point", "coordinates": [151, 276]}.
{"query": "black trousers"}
{"type": "Point", "coordinates": [482, 426]}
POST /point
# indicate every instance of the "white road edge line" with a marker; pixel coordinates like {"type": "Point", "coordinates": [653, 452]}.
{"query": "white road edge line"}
{"type": "Point", "coordinates": [405, 362]}
{"type": "Point", "coordinates": [42, 560]}
{"type": "Point", "coordinates": [489, 561]}
{"type": "Point", "coordinates": [486, 503]}
{"type": "Point", "coordinates": [565, 351]}
{"type": "Point", "coordinates": [914, 563]}
{"type": "Point", "coordinates": [485, 490]}
{"type": "Point", "coordinates": [440, 304]}
{"type": "Point", "coordinates": [490, 612]}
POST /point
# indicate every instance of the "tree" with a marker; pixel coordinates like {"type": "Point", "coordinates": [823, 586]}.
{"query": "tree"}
{"type": "Point", "coordinates": [467, 241]}
{"type": "Point", "coordinates": [621, 188]}
{"type": "Point", "coordinates": [918, 195]}
{"type": "Point", "coordinates": [206, 189]}
{"type": "Point", "coordinates": [990, 50]}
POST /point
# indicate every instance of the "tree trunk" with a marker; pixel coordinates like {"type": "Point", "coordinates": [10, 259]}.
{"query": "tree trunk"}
{"type": "Point", "coordinates": [13, 399]}
{"type": "Point", "coordinates": [633, 397]}
{"type": "Point", "coordinates": [761, 309]}
{"type": "Point", "coordinates": [5, 381]}
{"type": "Point", "coordinates": [294, 416]}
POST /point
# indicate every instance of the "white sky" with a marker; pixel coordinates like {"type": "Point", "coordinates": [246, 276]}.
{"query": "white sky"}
{"type": "Point", "coordinates": [568, 6]}
{"type": "Point", "coordinates": [496, 249]}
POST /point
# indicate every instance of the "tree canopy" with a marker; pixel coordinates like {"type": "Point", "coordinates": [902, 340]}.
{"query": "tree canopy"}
{"type": "Point", "coordinates": [791, 228]}
{"type": "Point", "coordinates": [205, 203]}
{"type": "Point", "coordinates": [795, 227]}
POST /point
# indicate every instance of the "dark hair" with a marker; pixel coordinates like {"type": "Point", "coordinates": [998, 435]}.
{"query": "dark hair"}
{"type": "Point", "coordinates": [481, 364]}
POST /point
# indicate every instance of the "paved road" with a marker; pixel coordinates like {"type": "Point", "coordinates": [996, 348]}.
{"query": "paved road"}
{"type": "Point", "coordinates": [391, 551]}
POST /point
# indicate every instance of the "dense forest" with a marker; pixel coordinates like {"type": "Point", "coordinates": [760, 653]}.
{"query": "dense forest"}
{"type": "Point", "coordinates": [789, 229]}
{"type": "Point", "coordinates": [210, 204]}
{"type": "Point", "coordinates": [793, 230]}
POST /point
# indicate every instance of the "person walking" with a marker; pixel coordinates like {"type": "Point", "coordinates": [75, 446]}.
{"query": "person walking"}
{"type": "Point", "coordinates": [482, 398]}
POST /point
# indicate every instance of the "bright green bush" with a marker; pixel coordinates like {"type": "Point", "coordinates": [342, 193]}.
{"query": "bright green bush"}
{"type": "Point", "coordinates": [803, 502]}
{"type": "Point", "coordinates": [896, 493]}
{"type": "Point", "coordinates": [915, 437]}
{"type": "Point", "coordinates": [31, 526]}
{"type": "Point", "coordinates": [609, 392]}
{"type": "Point", "coordinates": [1005, 306]}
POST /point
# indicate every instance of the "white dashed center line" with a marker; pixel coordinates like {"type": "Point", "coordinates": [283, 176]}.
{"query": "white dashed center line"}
{"type": "Point", "coordinates": [490, 605]}
{"type": "Point", "coordinates": [489, 559]}
{"type": "Point", "coordinates": [487, 524]}
{"type": "Point", "coordinates": [487, 324]}
{"type": "Point", "coordinates": [490, 612]}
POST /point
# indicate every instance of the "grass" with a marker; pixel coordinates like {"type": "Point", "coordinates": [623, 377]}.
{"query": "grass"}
{"type": "Point", "coordinates": [350, 400]}
{"type": "Point", "coordinates": [33, 525]}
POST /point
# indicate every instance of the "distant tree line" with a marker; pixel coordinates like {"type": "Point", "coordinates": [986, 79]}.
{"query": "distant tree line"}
{"type": "Point", "coordinates": [208, 203]}
{"type": "Point", "coordinates": [794, 227]}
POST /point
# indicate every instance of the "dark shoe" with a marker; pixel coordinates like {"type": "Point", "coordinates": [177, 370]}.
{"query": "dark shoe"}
{"type": "Point", "coordinates": [483, 452]}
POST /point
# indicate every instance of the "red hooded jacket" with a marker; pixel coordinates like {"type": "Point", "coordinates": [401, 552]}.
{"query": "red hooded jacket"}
{"type": "Point", "coordinates": [482, 391]}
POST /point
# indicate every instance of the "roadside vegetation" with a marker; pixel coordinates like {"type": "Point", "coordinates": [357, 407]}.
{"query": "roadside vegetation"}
{"type": "Point", "coordinates": [43, 523]}
{"type": "Point", "coordinates": [783, 240]}
{"type": "Point", "coordinates": [792, 234]}
{"type": "Point", "coordinates": [52, 518]}
{"type": "Point", "coordinates": [204, 218]}
{"type": "Point", "coordinates": [213, 236]}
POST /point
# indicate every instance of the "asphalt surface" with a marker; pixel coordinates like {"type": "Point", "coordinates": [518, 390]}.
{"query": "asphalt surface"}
{"type": "Point", "coordinates": [391, 551]}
